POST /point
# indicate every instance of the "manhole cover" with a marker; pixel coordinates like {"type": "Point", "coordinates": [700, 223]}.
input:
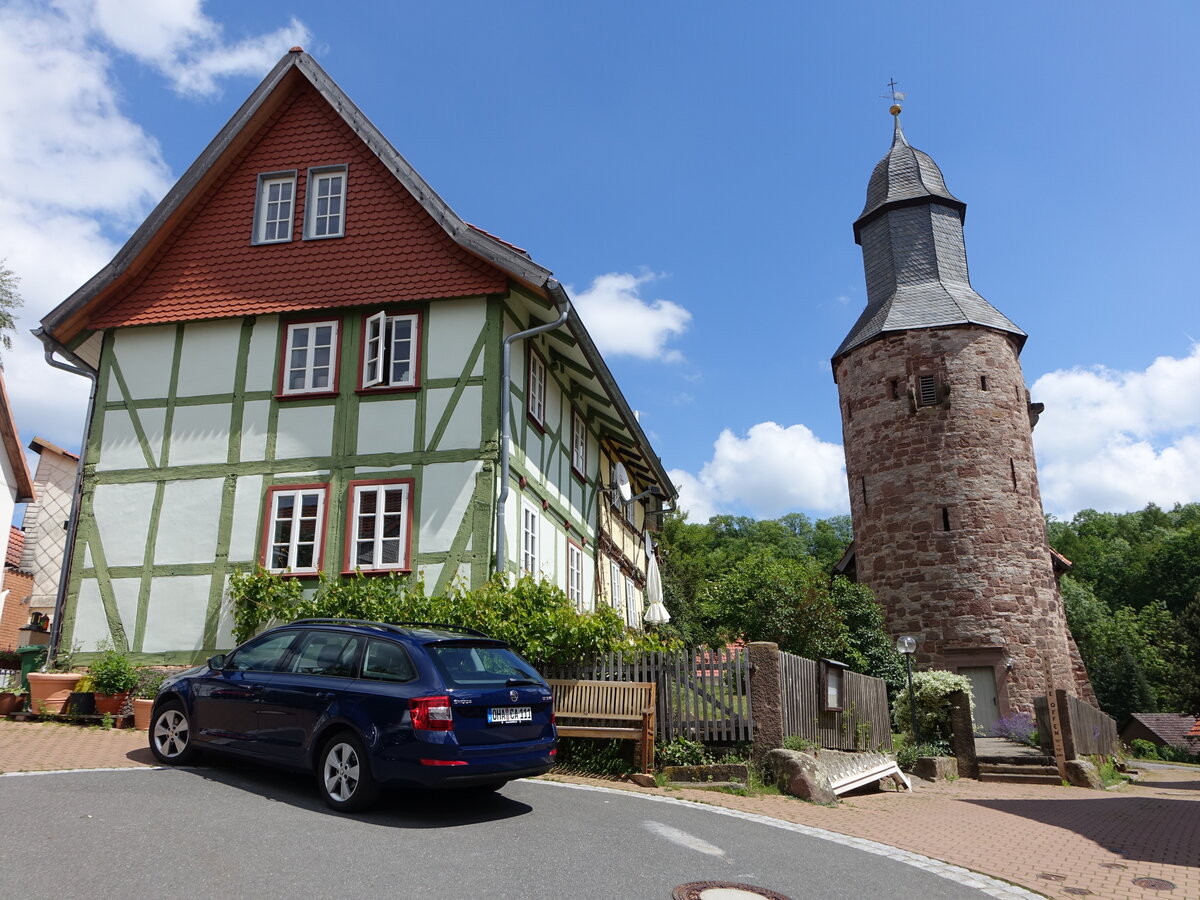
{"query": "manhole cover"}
{"type": "Point", "coordinates": [1154, 884]}
{"type": "Point", "coordinates": [1079, 892]}
{"type": "Point", "coordinates": [1048, 876]}
{"type": "Point", "coordinates": [723, 890]}
{"type": "Point", "coordinates": [1113, 866]}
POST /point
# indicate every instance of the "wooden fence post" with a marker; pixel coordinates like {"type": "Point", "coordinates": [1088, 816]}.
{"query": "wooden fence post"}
{"type": "Point", "coordinates": [1068, 727]}
{"type": "Point", "coordinates": [766, 700]}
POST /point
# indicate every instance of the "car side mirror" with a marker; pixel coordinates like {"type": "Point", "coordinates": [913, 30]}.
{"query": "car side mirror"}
{"type": "Point", "coordinates": [217, 662]}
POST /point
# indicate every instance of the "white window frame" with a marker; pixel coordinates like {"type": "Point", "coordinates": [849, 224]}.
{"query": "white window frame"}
{"type": "Point", "coordinates": [535, 388]}
{"type": "Point", "coordinates": [579, 442]}
{"type": "Point", "coordinates": [380, 490]}
{"type": "Point", "coordinates": [631, 616]}
{"type": "Point", "coordinates": [575, 575]}
{"type": "Point", "coordinates": [262, 207]}
{"type": "Point", "coordinates": [614, 585]}
{"type": "Point", "coordinates": [614, 495]}
{"type": "Point", "coordinates": [379, 350]}
{"type": "Point", "coordinates": [308, 368]}
{"type": "Point", "coordinates": [273, 519]}
{"type": "Point", "coordinates": [531, 527]}
{"type": "Point", "coordinates": [313, 213]}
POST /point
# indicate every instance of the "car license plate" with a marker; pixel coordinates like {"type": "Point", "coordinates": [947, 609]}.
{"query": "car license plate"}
{"type": "Point", "coordinates": [509, 715]}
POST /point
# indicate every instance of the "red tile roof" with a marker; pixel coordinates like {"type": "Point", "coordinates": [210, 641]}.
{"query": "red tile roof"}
{"type": "Point", "coordinates": [16, 543]}
{"type": "Point", "coordinates": [393, 251]}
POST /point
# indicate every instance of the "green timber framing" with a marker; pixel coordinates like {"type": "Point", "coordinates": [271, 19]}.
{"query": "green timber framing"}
{"type": "Point", "coordinates": [574, 365]}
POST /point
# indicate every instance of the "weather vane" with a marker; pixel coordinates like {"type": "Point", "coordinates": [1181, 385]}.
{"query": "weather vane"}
{"type": "Point", "coordinates": [895, 96]}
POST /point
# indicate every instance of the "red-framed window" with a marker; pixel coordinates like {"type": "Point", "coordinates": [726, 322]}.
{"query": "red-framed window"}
{"type": "Point", "coordinates": [308, 358]}
{"type": "Point", "coordinates": [575, 576]}
{"type": "Point", "coordinates": [579, 442]}
{"type": "Point", "coordinates": [379, 526]}
{"type": "Point", "coordinates": [294, 530]}
{"type": "Point", "coordinates": [391, 351]}
{"type": "Point", "coordinates": [535, 388]}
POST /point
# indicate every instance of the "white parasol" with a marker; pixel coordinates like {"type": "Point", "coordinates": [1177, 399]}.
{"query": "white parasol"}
{"type": "Point", "coordinates": [656, 613]}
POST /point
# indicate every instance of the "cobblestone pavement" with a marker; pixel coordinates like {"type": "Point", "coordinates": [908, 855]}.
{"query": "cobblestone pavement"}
{"type": "Point", "coordinates": [1061, 842]}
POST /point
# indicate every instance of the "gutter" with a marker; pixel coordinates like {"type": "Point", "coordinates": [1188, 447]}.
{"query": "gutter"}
{"type": "Point", "coordinates": [76, 367]}
{"type": "Point", "coordinates": [559, 296]}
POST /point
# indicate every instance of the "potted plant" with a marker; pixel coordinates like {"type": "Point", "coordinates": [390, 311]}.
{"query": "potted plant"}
{"type": "Point", "coordinates": [12, 697]}
{"type": "Point", "coordinates": [149, 681]}
{"type": "Point", "coordinates": [113, 677]}
{"type": "Point", "coordinates": [48, 691]}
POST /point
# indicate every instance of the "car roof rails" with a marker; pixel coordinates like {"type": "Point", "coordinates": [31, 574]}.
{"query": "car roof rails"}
{"type": "Point", "coordinates": [335, 621]}
{"type": "Point", "coordinates": [441, 626]}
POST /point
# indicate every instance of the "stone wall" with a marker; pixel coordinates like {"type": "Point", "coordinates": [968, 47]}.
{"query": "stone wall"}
{"type": "Point", "coordinates": [948, 522]}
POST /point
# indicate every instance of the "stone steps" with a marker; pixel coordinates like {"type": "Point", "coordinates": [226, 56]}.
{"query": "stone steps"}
{"type": "Point", "coordinates": [1026, 771]}
{"type": "Point", "coordinates": [1012, 769]}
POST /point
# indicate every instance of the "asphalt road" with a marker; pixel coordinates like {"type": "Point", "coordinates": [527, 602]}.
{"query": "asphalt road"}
{"type": "Point", "coordinates": [231, 830]}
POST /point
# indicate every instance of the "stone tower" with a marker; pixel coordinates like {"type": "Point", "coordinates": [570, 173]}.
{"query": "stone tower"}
{"type": "Point", "coordinates": [937, 426]}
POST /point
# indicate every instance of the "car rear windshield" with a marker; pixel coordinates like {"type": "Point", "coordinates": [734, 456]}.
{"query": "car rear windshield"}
{"type": "Point", "coordinates": [467, 665]}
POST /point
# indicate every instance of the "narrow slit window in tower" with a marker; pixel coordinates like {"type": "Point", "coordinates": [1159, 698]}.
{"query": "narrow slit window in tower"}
{"type": "Point", "coordinates": [895, 388]}
{"type": "Point", "coordinates": [945, 518]}
{"type": "Point", "coordinates": [927, 390]}
{"type": "Point", "coordinates": [1012, 463]}
{"type": "Point", "coordinates": [862, 481]}
{"type": "Point", "coordinates": [983, 382]}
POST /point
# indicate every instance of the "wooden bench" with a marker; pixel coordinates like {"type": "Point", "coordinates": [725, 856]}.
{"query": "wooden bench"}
{"type": "Point", "coordinates": [629, 703]}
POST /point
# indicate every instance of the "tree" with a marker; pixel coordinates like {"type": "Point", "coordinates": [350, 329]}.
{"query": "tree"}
{"type": "Point", "coordinates": [10, 302]}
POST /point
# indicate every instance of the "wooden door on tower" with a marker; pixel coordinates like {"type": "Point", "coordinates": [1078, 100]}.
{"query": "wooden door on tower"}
{"type": "Point", "coordinates": [987, 703]}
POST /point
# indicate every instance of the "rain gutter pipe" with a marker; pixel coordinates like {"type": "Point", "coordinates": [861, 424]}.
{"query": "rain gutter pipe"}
{"type": "Point", "coordinates": [79, 368]}
{"type": "Point", "coordinates": [559, 296]}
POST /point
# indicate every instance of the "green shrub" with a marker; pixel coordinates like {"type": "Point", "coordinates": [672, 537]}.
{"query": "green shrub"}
{"type": "Point", "coordinates": [932, 691]}
{"type": "Point", "coordinates": [802, 745]}
{"type": "Point", "coordinates": [149, 681]}
{"type": "Point", "coordinates": [681, 752]}
{"type": "Point", "coordinates": [535, 617]}
{"type": "Point", "coordinates": [595, 757]}
{"type": "Point", "coordinates": [907, 752]}
{"type": "Point", "coordinates": [112, 672]}
{"type": "Point", "coordinates": [1143, 749]}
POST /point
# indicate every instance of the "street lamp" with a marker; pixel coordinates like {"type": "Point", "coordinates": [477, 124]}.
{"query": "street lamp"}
{"type": "Point", "coordinates": [907, 646]}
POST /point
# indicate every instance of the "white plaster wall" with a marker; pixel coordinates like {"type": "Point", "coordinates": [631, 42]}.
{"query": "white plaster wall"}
{"type": "Point", "coordinates": [387, 426]}
{"type": "Point", "coordinates": [176, 612]}
{"type": "Point", "coordinates": [187, 523]}
{"type": "Point", "coordinates": [7, 499]}
{"type": "Point", "coordinates": [224, 639]}
{"type": "Point", "coordinates": [119, 447]}
{"type": "Point", "coordinates": [264, 354]}
{"type": "Point", "coordinates": [90, 623]}
{"type": "Point", "coordinates": [453, 328]}
{"type": "Point", "coordinates": [125, 592]}
{"type": "Point", "coordinates": [463, 430]}
{"type": "Point", "coordinates": [247, 512]}
{"type": "Point", "coordinates": [445, 494]}
{"type": "Point", "coordinates": [122, 514]}
{"type": "Point", "coordinates": [144, 356]}
{"type": "Point", "coordinates": [208, 361]}
{"type": "Point", "coordinates": [304, 431]}
{"type": "Point", "coordinates": [200, 434]}
{"type": "Point", "coordinates": [429, 573]}
{"type": "Point", "coordinates": [255, 419]}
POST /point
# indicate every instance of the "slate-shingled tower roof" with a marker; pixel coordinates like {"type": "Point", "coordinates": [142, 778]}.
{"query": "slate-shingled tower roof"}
{"type": "Point", "coordinates": [911, 232]}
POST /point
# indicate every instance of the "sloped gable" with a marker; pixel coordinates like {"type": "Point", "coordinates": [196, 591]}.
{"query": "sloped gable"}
{"type": "Point", "coordinates": [393, 250]}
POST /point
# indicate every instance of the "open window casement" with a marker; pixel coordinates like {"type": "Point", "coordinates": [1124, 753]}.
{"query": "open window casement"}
{"type": "Point", "coordinates": [389, 351]}
{"type": "Point", "coordinates": [373, 351]}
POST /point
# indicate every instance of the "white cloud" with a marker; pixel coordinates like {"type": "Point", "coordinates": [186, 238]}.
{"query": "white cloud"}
{"type": "Point", "coordinates": [771, 471]}
{"type": "Point", "coordinates": [81, 174]}
{"type": "Point", "coordinates": [1116, 441]}
{"type": "Point", "coordinates": [622, 323]}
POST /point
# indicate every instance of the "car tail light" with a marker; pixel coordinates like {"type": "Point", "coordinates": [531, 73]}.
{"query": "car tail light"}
{"type": "Point", "coordinates": [443, 762]}
{"type": "Point", "coordinates": [431, 713]}
{"type": "Point", "coordinates": [554, 751]}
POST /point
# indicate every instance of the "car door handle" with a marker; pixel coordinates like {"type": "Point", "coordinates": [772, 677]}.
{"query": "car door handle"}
{"type": "Point", "coordinates": [325, 695]}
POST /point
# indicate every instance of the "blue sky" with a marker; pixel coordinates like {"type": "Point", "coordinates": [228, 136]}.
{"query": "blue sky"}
{"type": "Point", "coordinates": [691, 172]}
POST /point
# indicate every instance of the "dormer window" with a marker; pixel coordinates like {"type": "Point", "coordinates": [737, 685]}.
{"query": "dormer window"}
{"type": "Point", "coordinates": [325, 203]}
{"type": "Point", "coordinates": [275, 209]}
{"type": "Point", "coordinates": [390, 346]}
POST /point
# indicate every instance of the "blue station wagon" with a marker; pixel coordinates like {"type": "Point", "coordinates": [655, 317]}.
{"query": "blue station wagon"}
{"type": "Point", "coordinates": [365, 704]}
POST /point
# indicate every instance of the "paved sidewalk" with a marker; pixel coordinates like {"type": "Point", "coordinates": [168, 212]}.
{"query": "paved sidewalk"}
{"type": "Point", "coordinates": [1061, 842]}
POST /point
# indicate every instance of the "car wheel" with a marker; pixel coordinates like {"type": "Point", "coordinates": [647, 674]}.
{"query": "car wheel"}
{"type": "Point", "coordinates": [344, 774]}
{"type": "Point", "coordinates": [171, 735]}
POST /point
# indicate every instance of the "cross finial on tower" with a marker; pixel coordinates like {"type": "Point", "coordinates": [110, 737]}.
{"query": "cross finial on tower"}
{"type": "Point", "coordinates": [895, 96]}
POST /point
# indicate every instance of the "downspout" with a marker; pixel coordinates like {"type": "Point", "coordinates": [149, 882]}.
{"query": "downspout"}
{"type": "Point", "coordinates": [60, 601]}
{"type": "Point", "coordinates": [559, 296]}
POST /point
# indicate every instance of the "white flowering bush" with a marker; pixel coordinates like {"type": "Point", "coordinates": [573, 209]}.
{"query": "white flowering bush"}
{"type": "Point", "coordinates": [932, 691]}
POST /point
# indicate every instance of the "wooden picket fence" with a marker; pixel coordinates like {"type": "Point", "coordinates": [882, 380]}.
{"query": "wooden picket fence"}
{"type": "Point", "coordinates": [703, 693]}
{"type": "Point", "coordinates": [864, 722]}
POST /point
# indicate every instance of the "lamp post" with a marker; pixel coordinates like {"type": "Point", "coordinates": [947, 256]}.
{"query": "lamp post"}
{"type": "Point", "coordinates": [907, 646]}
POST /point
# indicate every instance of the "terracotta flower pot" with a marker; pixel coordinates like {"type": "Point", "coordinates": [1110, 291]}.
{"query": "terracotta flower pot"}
{"type": "Point", "coordinates": [141, 714]}
{"type": "Point", "coordinates": [110, 703]}
{"type": "Point", "coordinates": [48, 691]}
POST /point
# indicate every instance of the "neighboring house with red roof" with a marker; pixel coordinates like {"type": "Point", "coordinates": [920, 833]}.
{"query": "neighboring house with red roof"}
{"type": "Point", "coordinates": [301, 363]}
{"type": "Point", "coordinates": [1178, 730]}
{"type": "Point", "coordinates": [15, 591]}
{"type": "Point", "coordinates": [17, 488]}
{"type": "Point", "coordinates": [46, 520]}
